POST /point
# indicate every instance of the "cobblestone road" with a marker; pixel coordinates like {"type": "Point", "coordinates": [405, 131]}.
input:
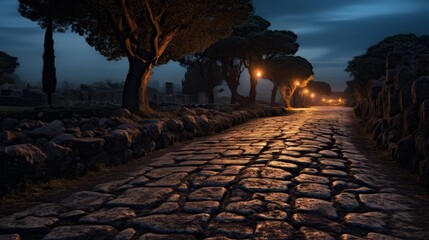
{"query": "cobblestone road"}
{"type": "Point", "coordinates": [300, 176]}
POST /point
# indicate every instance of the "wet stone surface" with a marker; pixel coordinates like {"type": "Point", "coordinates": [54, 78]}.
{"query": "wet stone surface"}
{"type": "Point", "coordinates": [300, 176]}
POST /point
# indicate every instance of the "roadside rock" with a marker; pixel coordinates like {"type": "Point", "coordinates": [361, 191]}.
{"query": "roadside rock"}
{"type": "Point", "coordinates": [59, 157]}
{"type": "Point", "coordinates": [118, 141]}
{"type": "Point", "coordinates": [11, 137]}
{"type": "Point", "coordinates": [85, 147]}
{"type": "Point", "coordinates": [189, 122]}
{"type": "Point", "coordinates": [420, 90]}
{"type": "Point", "coordinates": [20, 157]}
{"type": "Point", "coordinates": [49, 130]}
{"type": "Point", "coordinates": [8, 123]}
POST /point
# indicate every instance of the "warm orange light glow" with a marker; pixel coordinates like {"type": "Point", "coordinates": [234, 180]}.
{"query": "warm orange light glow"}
{"type": "Point", "coordinates": [323, 100]}
{"type": "Point", "coordinates": [305, 91]}
{"type": "Point", "coordinates": [313, 95]}
{"type": "Point", "coordinates": [297, 83]}
{"type": "Point", "coordinates": [259, 74]}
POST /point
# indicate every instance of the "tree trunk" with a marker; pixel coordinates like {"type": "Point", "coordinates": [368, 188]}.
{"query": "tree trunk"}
{"type": "Point", "coordinates": [195, 98]}
{"type": "Point", "coordinates": [210, 95]}
{"type": "Point", "coordinates": [135, 96]}
{"type": "Point", "coordinates": [285, 97]}
{"type": "Point", "coordinates": [253, 79]}
{"type": "Point", "coordinates": [49, 79]}
{"type": "Point", "coordinates": [233, 88]}
{"type": "Point", "coordinates": [253, 83]}
{"type": "Point", "coordinates": [232, 101]}
{"type": "Point", "coordinates": [274, 95]}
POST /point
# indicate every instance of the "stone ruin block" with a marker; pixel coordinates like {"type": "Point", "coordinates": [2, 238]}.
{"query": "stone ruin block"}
{"type": "Point", "coordinates": [392, 104]}
{"type": "Point", "coordinates": [422, 148]}
{"type": "Point", "coordinates": [375, 89]}
{"type": "Point", "coordinates": [379, 105]}
{"type": "Point", "coordinates": [410, 120]}
{"type": "Point", "coordinates": [424, 172]}
{"type": "Point", "coordinates": [405, 153]}
{"type": "Point", "coordinates": [378, 129]}
{"type": "Point", "coordinates": [420, 90]}
{"type": "Point", "coordinates": [404, 78]}
{"type": "Point", "coordinates": [421, 67]}
{"type": "Point", "coordinates": [424, 117]}
{"type": "Point", "coordinates": [390, 76]}
{"type": "Point", "coordinates": [395, 122]}
{"type": "Point", "coordinates": [405, 100]}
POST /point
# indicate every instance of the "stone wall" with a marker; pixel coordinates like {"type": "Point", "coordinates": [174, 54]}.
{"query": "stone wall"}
{"type": "Point", "coordinates": [396, 111]}
{"type": "Point", "coordinates": [35, 151]}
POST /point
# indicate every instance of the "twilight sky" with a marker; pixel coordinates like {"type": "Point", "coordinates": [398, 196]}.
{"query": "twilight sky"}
{"type": "Point", "coordinates": [330, 33]}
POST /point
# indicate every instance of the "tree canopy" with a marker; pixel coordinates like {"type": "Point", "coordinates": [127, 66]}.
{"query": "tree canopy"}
{"type": "Point", "coordinates": [233, 51]}
{"type": "Point", "coordinates": [202, 77]}
{"type": "Point", "coordinates": [286, 72]}
{"type": "Point", "coordinates": [8, 64]}
{"type": "Point", "coordinates": [150, 32]}
{"type": "Point", "coordinates": [61, 13]}
{"type": "Point", "coordinates": [253, 24]}
{"type": "Point", "coordinates": [319, 87]}
{"type": "Point", "coordinates": [154, 30]}
{"type": "Point", "coordinates": [247, 48]}
{"type": "Point", "coordinates": [266, 45]}
{"type": "Point", "coordinates": [372, 65]}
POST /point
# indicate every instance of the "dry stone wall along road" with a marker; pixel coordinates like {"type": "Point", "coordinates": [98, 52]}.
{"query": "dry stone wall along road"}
{"type": "Point", "coordinates": [307, 175]}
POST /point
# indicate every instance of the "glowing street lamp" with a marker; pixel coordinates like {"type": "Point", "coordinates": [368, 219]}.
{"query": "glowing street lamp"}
{"type": "Point", "coordinates": [297, 83]}
{"type": "Point", "coordinates": [313, 95]}
{"type": "Point", "coordinates": [259, 74]}
{"type": "Point", "coordinates": [305, 91]}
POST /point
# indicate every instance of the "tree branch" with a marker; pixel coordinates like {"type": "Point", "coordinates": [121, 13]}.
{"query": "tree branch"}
{"type": "Point", "coordinates": [131, 24]}
{"type": "Point", "coordinates": [155, 24]}
{"type": "Point", "coordinates": [165, 42]}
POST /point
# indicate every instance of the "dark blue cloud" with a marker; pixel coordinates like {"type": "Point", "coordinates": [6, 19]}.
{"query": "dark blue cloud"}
{"type": "Point", "coordinates": [331, 32]}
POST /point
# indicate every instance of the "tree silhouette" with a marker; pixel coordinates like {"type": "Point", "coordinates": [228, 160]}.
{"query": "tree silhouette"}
{"type": "Point", "coordinates": [51, 15]}
{"type": "Point", "coordinates": [203, 74]}
{"type": "Point", "coordinates": [286, 72]}
{"type": "Point", "coordinates": [8, 64]}
{"type": "Point", "coordinates": [150, 33]}
{"type": "Point", "coordinates": [372, 65]}
{"type": "Point", "coordinates": [264, 46]}
{"type": "Point", "coordinates": [321, 88]}
{"type": "Point", "coordinates": [233, 52]}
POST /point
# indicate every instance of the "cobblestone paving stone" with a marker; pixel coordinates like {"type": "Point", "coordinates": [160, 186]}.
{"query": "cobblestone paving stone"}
{"type": "Point", "coordinates": [292, 177]}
